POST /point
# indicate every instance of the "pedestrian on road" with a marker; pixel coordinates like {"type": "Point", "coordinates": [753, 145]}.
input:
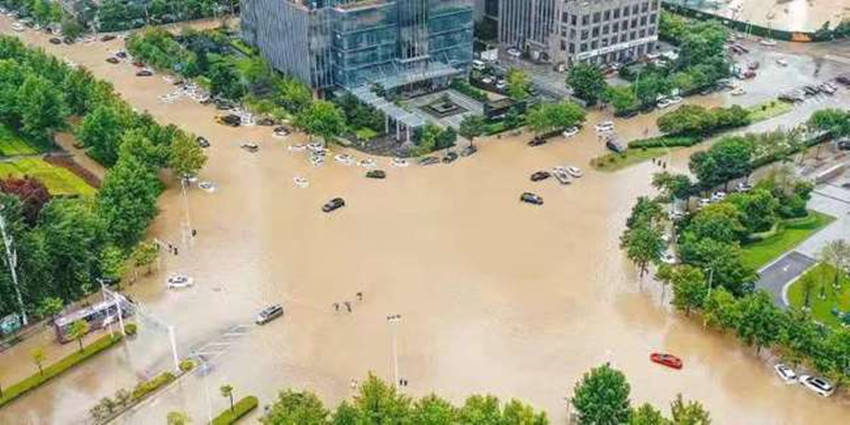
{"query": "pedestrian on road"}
{"type": "Point", "coordinates": [175, 250]}
{"type": "Point", "coordinates": [353, 384]}
{"type": "Point", "coordinates": [348, 306]}
{"type": "Point", "coordinates": [194, 232]}
{"type": "Point", "coordinates": [336, 306]}
{"type": "Point", "coordinates": [359, 296]}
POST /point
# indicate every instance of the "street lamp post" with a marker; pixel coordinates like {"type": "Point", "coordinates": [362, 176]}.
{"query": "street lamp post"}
{"type": "Point", "coordinates": [393, 320]}
{"type": "Point", "coordinates": [710, 277]}
{"type": "Point", "coordinates": [187, 224]}
{"type": "Point", "coordinates": [12, 261]}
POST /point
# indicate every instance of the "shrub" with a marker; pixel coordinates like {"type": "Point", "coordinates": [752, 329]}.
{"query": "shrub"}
{"type": "Point", "coordinates": [186, 365]}
{"type": "Point", "coordinates": [664, 141]}
{"type": "Point", "coordinates": [55, 369]}
{"type": "Point", "coordinates": [146, 387]}
{"type": "Point", "coordinates": [240, 409]}
{"type": "Point", "coordinates": [467, 89]}
{"type": "Point", "coordinates": [131, 329]}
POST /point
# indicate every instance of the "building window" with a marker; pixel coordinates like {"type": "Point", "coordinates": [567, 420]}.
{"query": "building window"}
{"type": "Point", "coordinates": [583, 47]}
{"type": "Point", "coordinates": [655, 4]}
{"type": "Point", "coordinates": [563, 32]}
{"type": "Point", "coordinates": [607, 16]}
{"type": "Point", "coordinates": [595, 32]}
{"type": "Point", "coordinates": [572, 34]}
{"type": "Point", "coordinates": [633, 35]}
{"type": "Point", "coordinates": [573, 19]}
{"type": "Point", "coordinates": [642, 33]}
{"type": "Point", "coordinates": [626, 11]}
{"type": "Point", "coordinates": [565, 17]}
{"type": "Point", "coordinates": [623, 37]}
{"type": "Point", "coordinates": [604, 42]}
{"type": "Point", "coordinates": [572, 48]}
{"type": "Point", "coordinates": [644, 7]}
{"type": "Point", "coordinates": [563, 45]}
{"type": "Point", "coordinates": [596, 17]}
{"type": "Point", "coordinates": [585, 19]}
{"type": "Point", "coordinates": [584, 34]}
{"type": "Point", "coordinates": [651, 30]}
{"type": "Point", "coordinates": [605, 29]}
{"type": "Point", "coordinates": [634, 23]}
{"type": "Point", "coordinates": [643, 21]}
{"type": "Point", "coordinates": [616, 13]}
{"type": "Point", "coordinates": [615, 27]}
{"type": "Point", "coordinates": [593, 44]}
{"type": "Point", "coordinates": [652, 18]}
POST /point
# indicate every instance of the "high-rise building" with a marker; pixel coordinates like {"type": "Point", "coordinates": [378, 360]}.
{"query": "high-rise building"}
{"type": "Point", "coordinates": [398, 44]}
{"type": "Point", "coordinates": [526, 24]}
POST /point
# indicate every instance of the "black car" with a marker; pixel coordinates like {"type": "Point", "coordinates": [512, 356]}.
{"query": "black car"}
{"type": "Point", "coordinates": [429, 160]}
{"type": "Point", "coordinates": [55, 40]}
{"type": "Point", "coordinates": [269, 313]}
{"type": "Point", "coordinates": [112, 60]}
{"type": "Point", "coordinates": [540, 175]}
{"type": "Point", "coordinates": [537, 141]}
{"type": "Point", "coordinates": [844, 144]}
{"type": "Point", "coordinates": [121, 54]}
{"type": "Point", "coordinates": [531, 198]}
{"type": "Point", "coordinates": [250, 147]}
{"type": "Point", "coordinates": [202, 142]}
{"type": "Point", "coordinates": [267, 122]}
{"type": "Point", "coordinates": [333, 204]}
{"type": "Point", "coordinates": [144, 73]}
{"type": "Point", "coordinates": [449, 158]}
{"type": "Point", "coordinates": [229, 120]}
{"type": "Point", "coordinates": [108, 37]}
{"type": "Point", "coordinates": [615, 146]}
{"type": "Point", "coordinates": [68, 40]}
{"type": "Point", "coordinates": [376, 174]}
{"type": "Point", "coordinates": [469, 150]}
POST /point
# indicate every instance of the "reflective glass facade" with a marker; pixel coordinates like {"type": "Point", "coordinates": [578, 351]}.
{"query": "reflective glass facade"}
{"type": "Point", "coordinates": [354, 43]}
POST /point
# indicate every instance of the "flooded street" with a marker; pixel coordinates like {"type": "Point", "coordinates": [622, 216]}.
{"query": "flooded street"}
{"type": "Point", "coordinates": [495, 296]}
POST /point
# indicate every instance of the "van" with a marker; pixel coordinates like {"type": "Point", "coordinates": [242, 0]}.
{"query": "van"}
{"type": "Point", "coordinates": [477, 65]}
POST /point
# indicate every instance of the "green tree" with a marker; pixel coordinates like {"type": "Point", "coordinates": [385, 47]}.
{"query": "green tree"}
{"type": "Point", "coordinates": [42, 108]}
{"type": "Point", "coordinates": [177, 418]}
{"type": "Point", "coordinates": [643, 246]}
{"type": "Point", "coordinates": [78, 330]}
{"type": "Point", "coordinates": [519, 84]}
{"type": "Point", "coordinates": [225, 81]}
{"type": "Point", "coordinates": [323, 119]}
{"type": "Point", "coordinates": [645, 211]}
{"type": "Point", "coordinates": [127, 200]}
{"type": "Point", "coordinates": [101, 131]}
{"type": "Point", "coordinates": [689, 286]}
{"type": "Point", "coordinates": [50, 307]}
{"type": "Point", "coordinates": [729, 158]}
{"type": "Point", "coordinates": [548, 117]}
{"type": "Point", "coordinates": [138, 144]}
{"type": "Point", "coordinates": [720, 221]}
{"type": "Point", "coordinates": [381, 403]}
{"type": "Point", "coordinates": [689, 413]}
{"type": "Point", "coordinates": [293, 95]}
{"type": "Point", "coordinates": [723, 259]}
{"type": "Point", "coordinates": [186, 157]}
{"type": "Point", "coordinates": [602, 397]}
{"type": "Point", "coordinates": [518, 413]}
{"type": "Point", "coordinates": [759, 323]}
{"type": "Point", "coordinates": [836, 253]}
{"type": "Point", "coordinates": [646, 414]}
{"type": "Point", "coordinates": [38, 357]}
{"type": "Point", "coordinates": [472, 126]}
{"type": "Point", "coordinates": [227, 392]}
{"type": "Point", "coordinates": [836, 121]}
{"type": "Point", "coordinates": [622, 98]}
{"type": "Point", "coordinates": [112, 262]}
{"type": "Point", "coordinates": [759, 209]}
{"type": "Point", "coordinates": [432, 410]}
{"type": "Point", "coordinates": [302, 408]}
{"type": "Point", "coordinates": [145, 255]}
{"type": "Point", "coordinates": [587, 81]}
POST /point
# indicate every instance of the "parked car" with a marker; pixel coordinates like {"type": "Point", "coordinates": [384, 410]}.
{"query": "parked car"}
{"type": "Point", "coordinates": [469, 150]}
{"type": "Point", "coordinates": [743, 187]}
{"type": "Point", "coordinates": [614, 145]}
{"type": "Point", "coordinates": [668, 258]}
{"type": "Point", "coordinates": [229, 120]}
{"type": "Point", "coordinates": [809, 90]}
{"type": "Point", "coordinates": [753, 65]}
{"type": "Point", "coordinates": [107, 37]}
{"type": "Point", "coordinates": [574, 171]}
{"type": "Point", "coordinates": [703, 202]}
{"type": "Point", "coordinates": [202, 142]}
{"type": "Point", "coordinates": [561, 175]}
{"type": "Point", "coordinates": [718, 196]}
{"type": "Point", "coordinates": [113, 60]}
{"type": "Point", "coordinates": [449, 157]}
{"type": "Point", "coordinates": [825, 88]}
{"type": "Point", "coordinates": [817, 384]}
{"type": "Point", "coordinates": [17, 27]}
{"type": "Point", "coordinates": [514, 52]}
{"type": "Point", "coordinates": [785, 373]}
{"type": "Point", "coordinates": [478, 65]}
{"type": "Point", "coordinates": [55, 40]}
{"type": "Point", "coordinates": [333, 204]}
{"type": "Point", "coordinates": [843, 144]}
{"type": "Point", "coordinates": [738, 92]}
{"type": "Point", "coordinates": [376, 174]}
{"type": "Point", "coordinates": [668, 360]}
{"type": "Point", "coordinates": [782, 62]}
{"type": "Point", "coordinates": [531, 198]}
{"type": "Point", "coordinates": [121, 54]}
{"type": "Point", "coordinates": [178, 281]}
{"type": "Point", "coordinates": [540, 175]}
{"type": "Point", "coordinates": [570, 132]}
{"type": "Point", "coordinates": [604, 127]}
{"type": "Point", "coordinates": [663, 103]}
{"type": "Point", "coordinates": [250, 147]}
{"type": "Point", "coordinates": [144, 73]}
{"type": "Point", "coordinates": [675, 100]}
{"type": "Point", "coordinates": [269, 313]}
{"type": "Point", "coordinates": [536, 141]}
{"type": "Point", "coordinates": [429, 160]}
{"type": "Point", "coordinates": [265, 121]}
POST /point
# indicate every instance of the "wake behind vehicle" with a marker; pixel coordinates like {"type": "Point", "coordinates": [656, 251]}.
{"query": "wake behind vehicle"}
{"type": "Point", "coordinates": [269, 313]}
{"type": "Point", "coordinates": [668, 360]}
{"type": "Point", "coordinates": [531, 198]}
{"type": "Point", "coordinates": [333, 204]}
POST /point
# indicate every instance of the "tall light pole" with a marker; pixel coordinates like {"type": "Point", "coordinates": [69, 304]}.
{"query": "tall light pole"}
{"type": "Point", "coordinates": [187, 224]}
{"type": "Point", "coordinates": [710, 277]}
{"type": "Point", "coordinates": [12, 261]}
{"type": "Point", "coordinates": [393, 319]}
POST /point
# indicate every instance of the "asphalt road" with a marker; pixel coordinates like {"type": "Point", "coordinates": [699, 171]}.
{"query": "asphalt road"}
{"type": "Point", "coordinates": [774, 277]}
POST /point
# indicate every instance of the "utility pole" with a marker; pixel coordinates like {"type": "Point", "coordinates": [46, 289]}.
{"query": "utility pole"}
{"type": "Point", "coordinates": [710, 277]}
{"type": "Point", "coordinates": [12, 261]}
{"type": "Point", "coordinates": [187, 224]}
{"type": "Point", "coordinates": [117, 300]}
{"type": "Point", "coordinates": [393, 321]}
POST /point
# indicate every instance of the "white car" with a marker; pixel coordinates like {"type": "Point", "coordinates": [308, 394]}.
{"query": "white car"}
{"type": "Point", "coordinates": [514, 52]}
{"type": "Point", "coordinates": [718, 196]}
{"type": "Point", "coordinates": [501, 84]}
{"type": "Point", "coordinates": [315, 146]}
{"type": "Point", "coordinates": [17, 27]}
{"type": "Point", "coordinates": [785, 373]}
{"type": "Point", "coordinates": [782, 62]}
{"type": "Point", "coordinates": [676, 215]}
{"type": "Point", "coordinates": [300, 181]}
{"type": "Point", "coordinates": [316, 160]}
{"type": "Point", "coordinates": [570, 132]}
{"type": "Point", "coordinates": [399, 162]}
{"type": "Point", "coordinates": [178, 281]}
{"type": "Point", "coordinates": [478, 65]}
{"type": "Point", "coordinates": [743, 187]}
{"type": "Point", "coordinates": [367, 163]}
{"type": "Point", "coordinates": [487, 80]}
{"type": "Point", "coordinates": [574, 171]}
{"type": "Point", "coordinates": [675, 100]}
{"type": "Point", "coordinates": [663, 103]}
{"type": "Point", "coordinates": [604, 127]}
{"type": "Point", "coordinates": [344, 158]}
{"type": "Point", "coordinates": [738, 92]}
{"type": "Point", "coordinates": [296, 148]}
{"type": "Point", "coordinates": [817, 384]}
{"type": "Point", "coordinates": [207, 186]}
{"type": "Point", "coordinates": [703, 202]}
{"type": "Point", "coordinates": [561, 175]}
{"type": "Point", "coordinates": [765, 42]}
{"type": "Point", "coordinates": [668, 258]}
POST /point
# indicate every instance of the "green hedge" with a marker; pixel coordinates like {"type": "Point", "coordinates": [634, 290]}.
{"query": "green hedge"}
{"type": "Point", "coordinates": [664, 141]}
{"type": "Point", "coordinates": [56, 369]}
{"type": "Point", "coordinates": [467, 89]}
{"type": "Point", "coordinates": [240, 409]}
{"type": "Point", "coordinates": [146, 387]}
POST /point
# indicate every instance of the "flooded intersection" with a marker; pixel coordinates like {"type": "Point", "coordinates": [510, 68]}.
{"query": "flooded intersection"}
{"type": "Point", "coordinates": [495, 296]}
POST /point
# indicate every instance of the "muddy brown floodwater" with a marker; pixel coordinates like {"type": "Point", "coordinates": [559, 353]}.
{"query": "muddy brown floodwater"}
{"type": "Point", "coordinates": [495, 295]}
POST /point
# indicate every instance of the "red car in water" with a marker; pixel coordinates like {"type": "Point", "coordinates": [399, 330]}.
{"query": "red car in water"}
{"type": "Point", "coordinates": [668, 360]}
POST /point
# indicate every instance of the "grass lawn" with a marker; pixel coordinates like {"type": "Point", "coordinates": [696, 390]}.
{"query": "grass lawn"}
{"type": "Point", "coordinates": [822, 274]}
{"type": "Point", "coordinates": [12, 144]}
{"type": "Point", "coordinates": [617, 161]}
{"type": "Point", "coordinates": [365, 134]}
{"type": "Point", "coordinates": [59, 181]}
{"type": "Point", "coordinates": [769, 109]}
{"type": "Point", "coordinates": [791, 233]}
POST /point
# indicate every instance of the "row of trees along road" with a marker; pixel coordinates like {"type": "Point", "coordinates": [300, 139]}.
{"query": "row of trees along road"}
{"type": "Point", "coordinates": [64, 245]}
{"type": "Point", "coordinates": [601, 398]}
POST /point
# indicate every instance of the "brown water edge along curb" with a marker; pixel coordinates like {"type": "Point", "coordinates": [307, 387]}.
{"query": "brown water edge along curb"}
{"type": "Point", "coordinates": [67, 162]}
{"type": "Point", "coordinates": [241, 409]}
{"type": "Point", "coordinates": [36, 380]}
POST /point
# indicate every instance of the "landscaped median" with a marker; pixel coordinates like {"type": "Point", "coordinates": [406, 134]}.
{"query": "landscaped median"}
{"type": "Point", "coordinates": [783, 237]}
{"type": "Point", "coordinates": [641, 150]}
{"type": "Point", "coordinates": [240, 409]}
{"type": "Point", "coordinates": [827, 303]}
{"type": "Point", "coordinates": [56, 369]}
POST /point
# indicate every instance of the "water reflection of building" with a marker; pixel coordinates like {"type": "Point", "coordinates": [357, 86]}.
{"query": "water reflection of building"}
{"type": "Point", "coordinates": [568, 31]}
